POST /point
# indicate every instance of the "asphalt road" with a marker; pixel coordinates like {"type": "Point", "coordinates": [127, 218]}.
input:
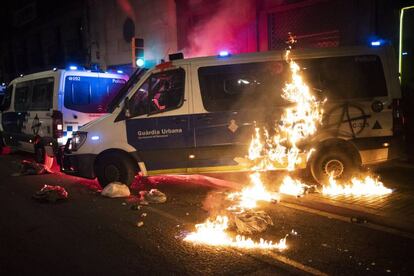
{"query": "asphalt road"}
{"type": "Point", "coordinates": [90, 234]}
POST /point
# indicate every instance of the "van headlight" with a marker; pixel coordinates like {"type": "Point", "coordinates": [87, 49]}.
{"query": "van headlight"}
{"type": "Point", "coordinates": [78, 139]}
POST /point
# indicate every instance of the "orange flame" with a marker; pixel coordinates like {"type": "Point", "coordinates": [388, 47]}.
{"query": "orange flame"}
{"type": "Point", "coordinates": [292, 186]}
{"type": "Point", "coordinates": [367, 186]}
{"type": "Point", "coordinates": [213, 232]}
{"type": "Point", "coordinates": [297, 123]}
{"type": "Point", "coordinates": [249, 196]}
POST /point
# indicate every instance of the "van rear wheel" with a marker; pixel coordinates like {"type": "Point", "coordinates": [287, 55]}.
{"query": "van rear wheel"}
{"type": "Point", "coordinates": [115, 167]}
{"type": "Point", "coordinates": [333, 161]}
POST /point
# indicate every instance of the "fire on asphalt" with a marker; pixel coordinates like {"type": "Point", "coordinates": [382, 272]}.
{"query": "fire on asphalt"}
{"type": "Point", "coordinates": [91, 234]}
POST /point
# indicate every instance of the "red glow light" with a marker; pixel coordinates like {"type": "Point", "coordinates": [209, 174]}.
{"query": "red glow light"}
{"type": "Point", "coordinates": [5, 151]}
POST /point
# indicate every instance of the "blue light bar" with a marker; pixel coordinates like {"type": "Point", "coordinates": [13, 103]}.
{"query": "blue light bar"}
{"type": "Point", "coordinates": [119, 71]}
{"type": "Point", "coordinates": [376, 43]}
{"type": "Point", "coordinates": [224, 53]}
{"type": "Point", "coordinates": [73, 67]}
{"type": "Point", "coordinates": [95, 138]}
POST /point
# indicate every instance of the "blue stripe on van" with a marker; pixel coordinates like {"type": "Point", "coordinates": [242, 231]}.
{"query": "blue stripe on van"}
{"type": "Point", "coordinates": [215, 139]}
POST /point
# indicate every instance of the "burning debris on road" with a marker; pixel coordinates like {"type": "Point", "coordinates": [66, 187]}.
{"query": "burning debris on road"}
{"type": "Point", "coordinates": [213, 232]}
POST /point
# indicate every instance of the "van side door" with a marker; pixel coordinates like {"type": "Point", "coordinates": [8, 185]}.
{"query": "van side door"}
{"type": "Point", "coordinates": [158, 125]}
{"type": "Point", "coordinates": [9, 117]}
{"type": "Point", "coordinates": [39, 117]}
{"type": "Point", "coordinates": [15, 118]}
{"type": "Point", "coordinates": [237, 98]}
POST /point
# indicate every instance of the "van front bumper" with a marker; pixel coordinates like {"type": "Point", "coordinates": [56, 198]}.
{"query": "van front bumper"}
{"type": "Point", "coordinates": [78, 164]}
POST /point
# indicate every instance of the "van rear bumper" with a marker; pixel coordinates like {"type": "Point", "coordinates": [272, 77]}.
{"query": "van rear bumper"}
{"type": "Point", "coordinates": [78, 164]}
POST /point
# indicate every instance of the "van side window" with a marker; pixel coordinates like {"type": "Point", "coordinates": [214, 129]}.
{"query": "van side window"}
{"type": "Point", "coordinates": [42, 94]}
{"type": "Point", "coordinates": [346, 78]}
{"type": "Point", "coordinates": [21, 99]}
{"type": "Point", "coordinates": [160, 92]}
{"type": "Point", "coordinates": [166, 90]}
{"type": "Point", "coordinates": [242, 86]}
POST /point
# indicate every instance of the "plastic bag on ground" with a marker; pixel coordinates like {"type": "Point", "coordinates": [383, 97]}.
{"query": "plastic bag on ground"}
{"type": "Point", "coordinates": [51, 193]}
{"type": "Point", "coordinates": [251, 222]}
{"type": "Point", "coordinates": [116, 189]}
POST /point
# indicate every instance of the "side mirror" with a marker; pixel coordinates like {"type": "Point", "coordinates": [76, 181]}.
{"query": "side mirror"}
{"type": "Point", "coordinates": [127, 111]}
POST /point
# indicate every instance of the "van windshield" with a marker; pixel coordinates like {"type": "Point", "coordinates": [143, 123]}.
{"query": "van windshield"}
{"type": "Point", "coordinates": [90, 94]}
{"type": "Point", "coordinates": [121, 94]}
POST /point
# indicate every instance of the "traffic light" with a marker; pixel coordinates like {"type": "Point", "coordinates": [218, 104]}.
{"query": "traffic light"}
{"type": "Point", "coordinates": [137, 46]}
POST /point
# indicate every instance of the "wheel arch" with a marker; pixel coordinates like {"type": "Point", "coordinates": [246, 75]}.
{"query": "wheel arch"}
{"type": "Point", "coordinates": [132, 156]}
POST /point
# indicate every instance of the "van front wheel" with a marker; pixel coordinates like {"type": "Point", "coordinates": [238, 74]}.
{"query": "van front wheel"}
{"type": "Point", "coordinates": [335, 162]}
{"type": "Point", "coordinates": [115, 167]}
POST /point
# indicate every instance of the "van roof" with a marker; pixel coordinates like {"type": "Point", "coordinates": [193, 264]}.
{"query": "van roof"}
{"type": "Point", "coordinates": [50, 73]}
{"type": "Point", "coordinates": [300, 53]}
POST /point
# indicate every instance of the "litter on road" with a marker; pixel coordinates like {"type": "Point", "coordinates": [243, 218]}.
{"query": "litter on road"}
{"type": "Point", "coordinates": [251, 222]}
{"type": "Point", "coordinates": [153, 196]}
{"type": "Point", "coordinates": [30, 168]}
{"type": "Point", "coordinates": [135, 207]}
{"type": "Point", "coordinates": [51, 193]}
{"type": "Point", "coordinates": [116, 189]}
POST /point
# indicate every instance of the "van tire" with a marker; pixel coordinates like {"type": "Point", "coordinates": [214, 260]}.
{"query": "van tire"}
{"type": "Point", "coordinates": [333, 159]}
{"type": "Point", "coordinates": [40, 154]}
{"type": "Point", "coordinates": [115, 167]}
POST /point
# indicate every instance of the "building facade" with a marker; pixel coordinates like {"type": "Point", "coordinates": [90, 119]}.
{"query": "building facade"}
{"type": "Point", "coordinates": [40, 35]}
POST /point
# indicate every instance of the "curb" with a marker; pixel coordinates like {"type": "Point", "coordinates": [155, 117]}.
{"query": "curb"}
{"type": "Point", "coordinates": [356, 214]}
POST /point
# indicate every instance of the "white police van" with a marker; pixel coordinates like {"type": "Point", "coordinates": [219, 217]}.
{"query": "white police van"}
{"type": "Point", "coordinates": [40, 111]}
{"type": "Point", "coordinates": [197, 115]}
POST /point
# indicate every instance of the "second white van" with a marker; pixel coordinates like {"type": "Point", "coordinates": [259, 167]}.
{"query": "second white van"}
{"type": "Point", "coordinates": [40, 111]}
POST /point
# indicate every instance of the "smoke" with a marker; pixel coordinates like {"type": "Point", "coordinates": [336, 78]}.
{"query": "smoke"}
{"type": "Point", "coordinates": [227, 28]}
{"type": "Point", "coordinates": [126, 7]}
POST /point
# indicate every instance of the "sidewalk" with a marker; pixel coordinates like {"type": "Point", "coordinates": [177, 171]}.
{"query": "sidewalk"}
{"type": "Point", "coordinates": [395, 210]}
